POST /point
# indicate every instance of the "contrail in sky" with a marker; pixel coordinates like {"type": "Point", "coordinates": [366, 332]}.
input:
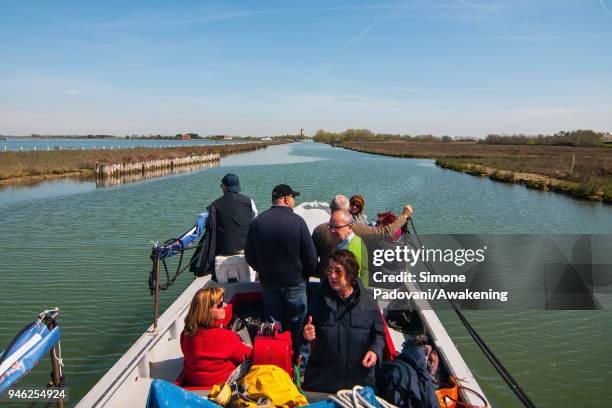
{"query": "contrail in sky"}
{"type": "Point", "coordinates": [606, 9]}
{"type": "Point", "coordinates": [364, 32]}
{"type": "Point", "coordinates": [369, 28]}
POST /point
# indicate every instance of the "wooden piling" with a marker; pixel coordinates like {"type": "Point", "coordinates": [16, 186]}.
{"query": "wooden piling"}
{"type": "Point", "coordinates": [104, 170]}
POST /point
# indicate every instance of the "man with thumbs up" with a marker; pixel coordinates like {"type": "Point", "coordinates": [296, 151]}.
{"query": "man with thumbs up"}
{"type": "Point", "coordinates": [346, 331]}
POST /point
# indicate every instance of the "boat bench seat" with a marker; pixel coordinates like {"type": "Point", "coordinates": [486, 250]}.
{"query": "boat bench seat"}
{"type": "Point", "coordinates": [166, 369]}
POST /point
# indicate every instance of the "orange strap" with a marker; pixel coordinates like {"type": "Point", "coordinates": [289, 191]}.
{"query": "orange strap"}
{"type": "Point", "coordinates": [453, 391]}
{"type": "Point", "coordinates": [466, 404]}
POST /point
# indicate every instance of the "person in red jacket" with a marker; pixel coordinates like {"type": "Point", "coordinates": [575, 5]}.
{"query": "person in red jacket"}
{"type": "Point", "coordinates": [210, 351]}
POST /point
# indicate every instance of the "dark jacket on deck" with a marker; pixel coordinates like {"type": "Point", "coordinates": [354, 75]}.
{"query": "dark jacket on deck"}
{"type": "Point", "coordinates": [406, 382]}
{"type": "Point", "coordinates": [279, 247]}
{"type": "Point", "coordinates": [234, 215]}
{"type": "Point", "coordinates": [203, 260]}
{"type": "Point", "coordinates": [345, 331]}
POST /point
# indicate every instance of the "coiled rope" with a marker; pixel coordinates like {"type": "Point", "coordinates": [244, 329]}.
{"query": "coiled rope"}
{"type": "Point", "coordinates": [352, 399]}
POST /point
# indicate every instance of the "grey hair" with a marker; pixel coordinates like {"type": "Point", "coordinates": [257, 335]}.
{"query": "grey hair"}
{"type": "Point", "coordinates": [339, 202]}
{"type": "Point", "coordinates": [345, 215]}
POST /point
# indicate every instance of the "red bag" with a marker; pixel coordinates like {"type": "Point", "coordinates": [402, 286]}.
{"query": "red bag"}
{"type": "Point", "coordinates": [272, 347]}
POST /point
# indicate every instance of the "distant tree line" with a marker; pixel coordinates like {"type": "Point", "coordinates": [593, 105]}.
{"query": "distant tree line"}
{"type": "Point", "coordinates": [257, 138]}
{"type": "Point", "coordinates": [563, 138]}
{"type": "Point", "coordinates": [289, 137]}
{"type": "Point", "coordinates": [366, 135]}
{"type": "Point", "coordinates": [147, 137]}
{"type": "Point", "coordinates": [157, 136]}
{"type": "Point", "coordinates": [90, 136]}
{"type": "Point", "coordinates": [191, 135]}
{"type": "Point", "coordinates": [571, 138]}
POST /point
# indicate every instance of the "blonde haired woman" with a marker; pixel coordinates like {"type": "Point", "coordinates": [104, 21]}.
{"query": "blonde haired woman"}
{"type": "Point", "coordinates": [210, 352]}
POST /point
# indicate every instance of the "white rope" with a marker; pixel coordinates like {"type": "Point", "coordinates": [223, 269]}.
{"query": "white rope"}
{"type": "Point", "coordinates": [358, 397]}
{"type": "Point", "coordinates": [352, 399]}
{"type": "Point", "coordinates": [60, 360]}
{"type": "Point", "coordinates": [339, 400]}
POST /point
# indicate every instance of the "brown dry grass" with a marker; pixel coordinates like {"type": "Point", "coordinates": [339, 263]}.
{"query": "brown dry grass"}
{"type": "Point", "coordinates": [37, 163]}
{"type": "Point", "coordinates": [592, 173]}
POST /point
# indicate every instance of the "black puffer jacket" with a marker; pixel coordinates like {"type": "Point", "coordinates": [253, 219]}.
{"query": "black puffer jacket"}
{"type": "Point", "coordinates": [346, 330]}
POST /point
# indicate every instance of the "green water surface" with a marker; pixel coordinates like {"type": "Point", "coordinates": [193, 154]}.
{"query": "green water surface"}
{"type": "Point", "coordinates": [86, 250]}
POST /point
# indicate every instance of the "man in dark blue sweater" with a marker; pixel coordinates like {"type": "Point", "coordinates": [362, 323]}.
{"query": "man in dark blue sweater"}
{"type": "Point", "coordinates": [279, 247]}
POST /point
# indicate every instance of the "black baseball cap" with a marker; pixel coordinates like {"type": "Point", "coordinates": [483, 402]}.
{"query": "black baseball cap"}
{"type": "Point", "coordinates": [231, 183]}
{"type": "Point", "coordinates": [283, 190]}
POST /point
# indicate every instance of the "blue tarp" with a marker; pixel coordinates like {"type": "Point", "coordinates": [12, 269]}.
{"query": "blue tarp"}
{"type": "Point", "coordinates": [165, 394]}
{"type": "Point", "coordinates": [187, 239]}
{"type": "Point", "coordinates": [24, 352]}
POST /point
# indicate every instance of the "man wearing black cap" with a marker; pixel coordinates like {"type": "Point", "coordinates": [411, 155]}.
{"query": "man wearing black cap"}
{"type": "Point", "coordinates": [234, 213]}
{"type": "Point", "coordinates": [279, 247]}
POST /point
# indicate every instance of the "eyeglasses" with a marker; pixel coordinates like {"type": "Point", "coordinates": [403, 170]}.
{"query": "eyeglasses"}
{"type": "Point", "coordinates": [338, 271]}
{"type": "Point", "coordinates": [220, 304]}
{"type": "Point", "coordinates": [334, 228]}
{"type": "Point", "coordinates": [356, 206]}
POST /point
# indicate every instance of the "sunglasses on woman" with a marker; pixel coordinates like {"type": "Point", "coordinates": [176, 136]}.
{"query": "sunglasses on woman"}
{"type": "Point", "coordinates": [220, 304]}
{"type": "Point", "coordinates": [338, 271]}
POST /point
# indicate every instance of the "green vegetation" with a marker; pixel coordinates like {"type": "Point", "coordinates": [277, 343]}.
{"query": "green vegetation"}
{"type": "Point", "coordinates": [38, 136]}
{"type": "Point", "coordinates": [293, 138]}
{"type": "Point", "coordinates": [41, 163]}
{"type": "Point", "coordinates": [365, 135]}
{"type": "Point", "coordinates": [573, 138]}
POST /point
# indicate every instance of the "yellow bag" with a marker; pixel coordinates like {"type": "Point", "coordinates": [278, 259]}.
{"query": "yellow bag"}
{"type": "Point", "coordinates": [272, 382]}
{"type": "Point", "coordinates": [221, 394]}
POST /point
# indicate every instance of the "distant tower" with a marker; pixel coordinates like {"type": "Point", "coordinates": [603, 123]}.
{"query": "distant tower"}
{"type": "Point", "coordinates": [302, 132]}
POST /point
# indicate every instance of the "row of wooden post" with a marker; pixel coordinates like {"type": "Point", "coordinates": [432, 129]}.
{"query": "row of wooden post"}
{"type": "Point", "coordinates": [104, 170]}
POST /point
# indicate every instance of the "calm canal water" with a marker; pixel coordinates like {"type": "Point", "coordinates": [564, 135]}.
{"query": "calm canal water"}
{"type": "Point", "coordinates": [86, 250]}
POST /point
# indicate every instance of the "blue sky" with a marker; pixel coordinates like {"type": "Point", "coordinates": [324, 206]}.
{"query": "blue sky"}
{"type": "Point", "coordinates": [456, 67]}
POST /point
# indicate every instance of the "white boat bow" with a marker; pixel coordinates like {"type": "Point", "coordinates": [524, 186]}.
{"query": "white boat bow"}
{"type": "Point", "coordinates": [157, 354]}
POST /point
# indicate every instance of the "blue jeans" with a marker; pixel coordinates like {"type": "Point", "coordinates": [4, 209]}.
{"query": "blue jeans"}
{"type": "Point", "coordinates": [287, 305]}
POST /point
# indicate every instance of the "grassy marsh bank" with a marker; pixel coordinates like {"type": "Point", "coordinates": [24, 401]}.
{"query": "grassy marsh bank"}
{"type": "Point", "coordinates": [540, 167]}
{"type": "Point", "coordinates": [26, 166]}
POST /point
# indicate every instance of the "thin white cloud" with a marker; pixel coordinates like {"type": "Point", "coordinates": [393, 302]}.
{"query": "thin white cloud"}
{"type": "Point", "coordinates": [479, 6]}
{"type": "Point", "coordinates": [364, 32]}
{"type": "Point", "coordinates": [605, 8]}
{"type": "Point", "coordinates": [370, 27]}
{"type": "Point", "coordinates": [210, 19]}
{"type": "Point", "coordinates": [414, 90]}
{"type": "Point", "coordinates": [71, 92]}
{"type": "Point", "coordinates": [347, 8]}
{"type": "Point", "coordinates": [489, 6]}
{"type": "Point", "coordinates": [163, 19]}
{"type": "Point", "coordinates": [145, 22]}
{"type": "Point", "coordinates": [534, 37]}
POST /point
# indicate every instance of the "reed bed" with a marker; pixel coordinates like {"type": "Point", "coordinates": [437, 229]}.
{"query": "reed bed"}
{"type": "Point", "coordinates": [25, 164]}
{"type": "Point", "coordinates": [589, 177]}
